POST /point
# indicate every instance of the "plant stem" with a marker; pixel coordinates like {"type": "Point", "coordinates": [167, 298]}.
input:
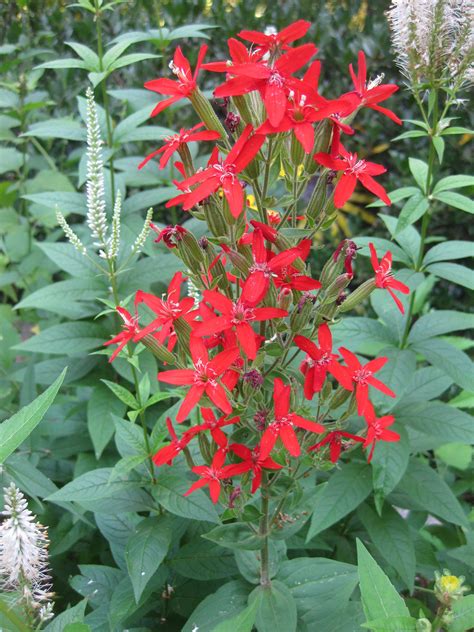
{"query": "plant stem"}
{"type": "Point", "coordinates": [264, 533]}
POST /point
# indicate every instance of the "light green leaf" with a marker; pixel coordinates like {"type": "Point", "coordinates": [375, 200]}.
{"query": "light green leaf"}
{"type": "Point", "coordinates": [71, 615]}
{"type": "Point", "coordinates": [392, 624]}
{"type": "Point", "coordinates": [236, 535]}
{"type": "Point", "coordinates": [456, 200]}
{"type": "Point", "coordinates": [65, 128]}
{"type": "Point", "coordinates": [64, 297]}
{"type": "Point", "coordinates": [389, 462]}
{"type": "Point", "coordinates": [65, 339]}
{"type": "Point", "coordinates": [243, 622]}
{"type": "Point", "coordinates": [413, 209]}
{"type": "Point", "coordinates": [68, 259]}
{"type": "Point", "coordinates": [448, 359]}
{"type": "Point", "coordinates": [10, 160]}
{"type": "Point", "coordinates": [453, 249]}
{"type": "Point", "coordinates": [17, 428]}
{"type": "Point", "coordinates": [439, 322]}
{"type": "Point", "coordinates": [453, 272]}
{"type": "Point", "coordinates": [439, 420]}
{"type": "Point", "coordinates": [458, 455]}
{"type": "Point", "coordinates": [462, 617]}
{"type": "Point", "coordinates": [453, 182]}
{"type": "Point", "coordinates": [90, 58]}
{"type": "Point", "coordinates": [463, 400]}
{"type": "Point", "coordinates": [122, 394]}
{"type": "Point", "coordinates": [419, 171]}
{"type": "Point", "coordinates": [67, 62]}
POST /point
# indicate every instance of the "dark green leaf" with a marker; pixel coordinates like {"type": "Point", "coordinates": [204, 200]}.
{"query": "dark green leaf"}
{"type": "Point", "coordinates": [226, 603]}
{"type": "Point", "coordinates": [65, 339]}
{"type": "Point", "coordinates": [203, 560]}
{"type": "Point", "coordinates": [236, 535]}
{"type": "Point", "coordinates": [448, 359]}
{"type": "Point", "coordinates": [100, 408]}
{"type": "Point", "coordinates": [276, 608]}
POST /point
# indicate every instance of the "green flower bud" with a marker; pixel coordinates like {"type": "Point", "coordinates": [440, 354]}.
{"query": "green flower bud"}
{"type": "Point", "coordinates": [206, 113]}
{"type": "Point", "coordinates": [357, 296]}
{"type": "Point", "coordinates": [158, 350]}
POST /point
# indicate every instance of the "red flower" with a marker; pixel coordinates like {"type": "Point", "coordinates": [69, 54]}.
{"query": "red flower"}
{"type": "Point", "coordinates": [273, 82]}
{"type": "Point", "coordinates": [203, 378]}
{"type": "Point", "coordinates": [378, 429]}
{"type": "Point", "coordinates": [272, 42]}
{"type": "Point", "coordinates": [131, 329]}
{"type": "Point", "coordinates": [335, 441]}
{"type": "Point", "coordinates": [254, 462]}
{"type": "Point", "coordinates": [171, 451]}
{"type": "Point", "coordinates": [283, 423]}
{"type": "Point", "coordinates": [384, 277]}
{"type": "Point", "coordinates": [212, 475]}
{"type": "Point", "coordinates": [363, 377]}
{"type": "Point", "coordinates": [171, 235]}
{"type": "Point", "coordinates": [353, 170]}
{"type": "Point", "coordinates": [371, 95]}
{"type": "Point", "coordinates": [167, 309]}
{"type": "Point", "coordinates": [319, 362]}
{"type": "Point", "coordinates": [236, 316]}
{"type": "Point", "coordinates": [223, 175]}
{"type": "Point", "coordinates": [239, 54]}
{"type": "Point", "coordinates": [291, 278]}
{"type": "Point", "coordinates": [173, 143]}
{"type": "Point", "coordinates": [182, 88]}
{"type": "Point", "coordinates": [214, 425]}
{"type": "Point", "coordinates": [264, 266]}
{"type": "Point", "coordinates": [349, 249]}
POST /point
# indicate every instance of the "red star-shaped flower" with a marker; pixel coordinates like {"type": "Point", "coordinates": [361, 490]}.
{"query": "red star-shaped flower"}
{"type": "Point", "coordinates": [384, 277]}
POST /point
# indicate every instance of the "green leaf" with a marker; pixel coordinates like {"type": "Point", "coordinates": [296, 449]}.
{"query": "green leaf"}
{"type": "Point", "coordinates": [362, 333]}
{"type": "Point", "coordinates": [456, 200]}
{"type": "Point", "coordinates": [94, 491]}
{"type": "Point", "coordinates": [65, 297]}
{"type": "Point", "coordinates": [425, 487]}
{"type": "Point", "coordinates": [90, 58]}
{"type": "Point", "coordinates": [71, 615]}
{"type": "Point", "coordinates": [67, 62]}
{"type": "Point", "coordinates": [203, 560]}
{"type": "Point", "coordinates": [117, 530]}
{"type": "Point", "coordinates": [67, 201]}
{"type": "Point", "coordinates": [419, 171]}
{"type": "Point", "coordinates": [17, 428]}
{"type": "Point", "coordinates": [439, 322]}
{"type": "Point", "coordinates": [439, 420]}
{"type": "Point", "coordinates": [344, 491]}
{"type": "Point", "coordinates": [391, 535]}
{"type": "Point", "coordinates": [453, 182]}
{"type": "Point", "coordinates": [458, 455]}
{"type": "Point", "coordinates": [169, 491]}
{"type": "Point", "coordinates": [227, 602]}
{"type": "Point", "coordinates": [379, 597]}
{"type": "Point", "coordinates": [396, 195]}
{"type": "Point", "coordinates": [248, 562]}
{"type": "Point", "coordinates": [392, 624]}
{"type": "Point", "coordinates": [454, 249]}
{"type": "Point", "coordinates": [100, 408]}
{"type": "Point", "coordinates": [448, 359]}
{"type": "Point", "coordinates": [389, 463]}
{"type": "Point", "coordinates": [65, 339]}
{"type": "Point", "coordinates": [10, 160]}
{"type": "Point", "coordinates": [65, 128]}
{"type": "Point", "coordinates": [382, 245]}
{"type": "Point", "coordinates": [276, 608]}
{"type": "Point", "coordinates": [462, 616]}
{"type": "Point", "coordinates": [413, 209]}
{"type": "Point", "coordinates": [427, 383]}
{"type": "Point", "coordinates": [398, 372]}
{"type": "Point", "coordinates": [320, 587]}
{"type": "Point", "coordinates": [146, 548]}
{"type": "Point", "coordinates": [242, 622]}
{"type": "Point", "coordinates": [457, 130]}
{"type": "Point", "coordinates": [463, 400]}
{"type": "Point", "coordinates": [122, 394]}
{"type": "Point", "coordinates": [439, 146]}
{"type": "Point", "coordinates": [236, 535]}
{"type": "Point", "coordinates": [453, 272]}
{"type": "Point", "coordinates": [409, 239]}
{"type": "Point", "coordinates": [68, 259]}
{"type": "Point", "coordinates": [412, 134]}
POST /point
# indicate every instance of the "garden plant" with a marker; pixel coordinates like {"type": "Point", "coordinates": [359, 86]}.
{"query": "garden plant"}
{"type": "Point", "coordinates": [249, 418]}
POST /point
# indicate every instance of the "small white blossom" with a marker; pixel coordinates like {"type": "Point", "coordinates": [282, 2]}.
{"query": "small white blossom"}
{"type": "Point", "coordinates": [194, 293]}
{"type": "Point", "coordinates": [70, 234]}
{"type": "Point", "coordinates": [140, 240]}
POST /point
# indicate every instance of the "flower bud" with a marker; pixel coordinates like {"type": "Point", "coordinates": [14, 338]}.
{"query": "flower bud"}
{"type": "Point", "coordinates": [260, 419]}
{"type": "Point", "coordinates": [242, 103]}
{"type": "Point", "coordinates": [423, 625]}
{"type": "Point", "coordinates": [322, 138]}
{"type": "Point", "coordinates": [448, 588]}
{"type": "Point", "coordinates": [239, 261]}
{"type": "Point", "coordinates": [339, 398]}
{"type": "Point", "coordinates": [296, 152]}
{"type": "Point", "coordinates": [358, 295]}
{"type": "Point", "coordinates": [333, 291]}
{"type": "Point", "coordinates": [158, 350]}
{"type": "Point", "coordinates": [206, 113]}
{"type": "Point", "coordinates": [318, 198]}
{"type": "Point", "coordinates": [284, 298]}
{"type": "Point", "coordinates": [302, 313]}
{"type": "Point", "coordinates": [183, 331]}
{"type": "Point", "coordinates": [232, 122]}
{"type": "Point", "coordinates": [190, 253]}
{"type": "Point", "coordinates": [215, 220]}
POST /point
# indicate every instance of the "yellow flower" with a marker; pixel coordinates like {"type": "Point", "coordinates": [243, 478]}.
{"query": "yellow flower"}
{"type": "Point", "coordinates": [449, 583]}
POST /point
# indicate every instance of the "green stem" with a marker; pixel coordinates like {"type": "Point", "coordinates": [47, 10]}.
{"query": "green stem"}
{"type": "Point", "coordinates": [15, 620]}
{"type": "Point", "coordinates": [264, 533]}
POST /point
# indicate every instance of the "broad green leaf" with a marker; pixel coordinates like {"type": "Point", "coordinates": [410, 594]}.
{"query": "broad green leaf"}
{"type": "Point", "coordinates": [419, 171]}
{"type": "Point", "coordinates": [243, 622]}
{"type": "Point", "coordinates": [145, 199]}
{"type": "Point", "coordinates": [344, 491]}
{"type": "Point", "coordinates": [458, 455]}
{"type": "Point", "coordinates": [453, 182]}
{"type": "Point", "coordinates": [10, 160]}
{"type": "Point", "coordinates": [396, 195]}
{"type": "Point", "coordinates": [68, 259]}
{"type": "Point", "coordinates": [456, 200]}
{"type": "Point", "coordinates": [122, 394]}
{"type": "Point", "coordinates": [320, 587]}
{"type": "Point", "coordinates": [123, 604]}
{"type": "Point", "coordinates": [427, 490]}
{"type": "Point", "coordinates": [65, 128]}
{"type": "Point", "coordinates": [397, 372]}
{"type": "Point", "coordinates": [412, 210]}
{"type": "Point", "coordinates": [65, 339]}
{"type": "Point", "coordinates": [171, 484]}
{"type": "Point", "coordinates": [17, 428]}
{"type": "Point", "coordinates": [447, 358]}
{"type": "Point", "coordinates": [146, 548]}
{"type": "Point", "coordinates": [94, 491]}
{"type": "Point", "coordinates": [227, 602]}
{"type": "Point", "coordinates": [70, 615]}
{"type": "Point", "coordinates": [409, 239]}
{"type": "Point", "coordinates": [379, 597]}
{"type": "Point", "coordinates": [248, 562]}
{"type": "Point", "coordinates": [453, 249]}
{"type": "Point", "coordinates": [382, 245]}
{"type": "Point", "coordinates": [236, 535]}
{"type": "Point", "coordinates": [90, 58]}
{"type": "Point", "coordinates": [66, 201]}
{"type": "Point", "coordinates": [440, 322]}
{"type": "Point", "coordinates": [203, 560]}
{"type": "Point", "coordinates": [439, 146]}
{"type": "Point", "coordinates": [117, 529]}
{"type": "Point", "coordinates": [63, 297]}
{"type": "Point", "coordinates": [453, 272]}
{"type": "Point", "coordinates": [96, 583]}
{"type": "Point", "coordinates": [67, 62]}
{"type": "Point", "coordinates": [101, 406]}
{"type": "Point", "coordinates": [463, 400]}
{"type": "Point", "coordinates": [362, 333]}
{"type": "Point", "coordinates": [392, 624]}
{"type": "Point", "coordinates": [439, 420]}
{"type": "Point", "coordinates": [391, 535]}
{"type": "Point", "coordinates": [389, 462]}
{"type": "Point", "coordinates": [462, 617]}
{"type": "Point", "coordinates": [11, 618]}
{"type": "Point", "coordinates": [276, 608]}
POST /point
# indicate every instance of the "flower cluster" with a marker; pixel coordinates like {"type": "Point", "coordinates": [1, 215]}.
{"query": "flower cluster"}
{"type": "Point", "coordinates": [255, 306]}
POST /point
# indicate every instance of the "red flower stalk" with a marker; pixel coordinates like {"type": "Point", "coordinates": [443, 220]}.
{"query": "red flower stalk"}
{"type": "Point", "coordinates": [173, 143]}
{"type": "Point", "coordinates": [335, 441]}
{"type": "Point", "coordinates": [171, 235]}
{"type": "Point", "coordinates": [371, 94]}
{"type": "Point", "coordinates": [354, 169]}
{"type": "Point", "coordinates": [284, 422]}
{"type": "Point", "coordinates": [203, 378]}
{"type": "Point", "coordinates": [168, 309]}
{"type": "Point", "coordinates": [236, 316]}
{"type": "Point", "coordinates": [319, 361]}
{"type": "Point", "coordinates": [214, 425]}
{"type": "Point", "coordinates": [222, 175]}
{"type": "Point", "coordinates": [254, 462]}
{"type": "Point", "coordinates": [169, 452]}
{"type": "Point", "coordinates": [273, 82]}
{"type": "Point", "coordinates": [183, 87]}
{"type": "Point", "coordinates": [131, 329]}
{"type": "Point", "coordinates": [213, 474]}
{"type": "Point", "coordinates": [264, 267]}
{"type": "Point", "coordinates": [271, 42]}
{"type": "Point", "coordinates": [378, 429]}
{"type": "Point", "coordinates": [384, 276]}
{"type": "Point", "coordinates": [363, 377]}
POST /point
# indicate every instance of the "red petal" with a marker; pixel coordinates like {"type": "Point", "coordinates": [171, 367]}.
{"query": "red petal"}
{"type": "Point", "coordinates": [344, 189]}
{"type": "Point", "coordinates": [289, 440]}
{"type": "Point", "coordinates": [189, 402]}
